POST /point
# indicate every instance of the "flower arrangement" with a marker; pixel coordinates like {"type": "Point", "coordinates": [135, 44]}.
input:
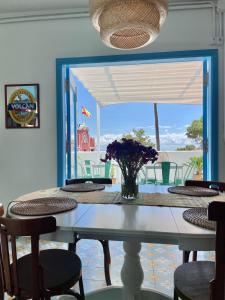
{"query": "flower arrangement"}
{"type": "Point", "coordinates": [130, 156]}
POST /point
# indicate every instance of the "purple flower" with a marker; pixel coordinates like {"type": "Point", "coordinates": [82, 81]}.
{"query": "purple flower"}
{"type": "Point", "coordinates": [130, 155]}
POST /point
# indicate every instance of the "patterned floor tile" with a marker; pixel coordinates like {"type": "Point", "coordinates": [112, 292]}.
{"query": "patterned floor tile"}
{"type": "Point", "coordinates": [158, 262]}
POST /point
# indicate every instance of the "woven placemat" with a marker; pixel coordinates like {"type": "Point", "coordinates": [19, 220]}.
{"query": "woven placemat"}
{"type": "Point", "coordinates": [198, 216]}
{"type": "Point", "coordinates": [83, 187]}
{"type": "Point", "coordinates": [193, 191]}
{"type": "Point", "coordinates": [43, 206]}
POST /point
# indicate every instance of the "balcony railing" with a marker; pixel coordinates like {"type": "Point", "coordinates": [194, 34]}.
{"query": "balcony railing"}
{"type": "Point", "coordinates": [181, 158]}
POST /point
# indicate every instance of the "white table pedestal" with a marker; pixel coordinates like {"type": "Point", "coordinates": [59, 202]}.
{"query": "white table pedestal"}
{"type": "Point", "coordinates": [132, 277]}
{"type": "Point", "coordinates": [132, 274]}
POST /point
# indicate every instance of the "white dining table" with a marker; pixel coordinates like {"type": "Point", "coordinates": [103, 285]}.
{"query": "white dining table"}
{"type": "Point", "coordinates": [133, 225]}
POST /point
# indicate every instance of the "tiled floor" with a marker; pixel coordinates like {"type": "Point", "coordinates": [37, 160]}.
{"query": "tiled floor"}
{"type": "Point", "coordinates": [158, 262]}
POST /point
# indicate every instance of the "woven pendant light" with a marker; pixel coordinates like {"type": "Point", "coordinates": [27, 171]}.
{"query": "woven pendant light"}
{"type": "Point", "coordinates": [128, 24]}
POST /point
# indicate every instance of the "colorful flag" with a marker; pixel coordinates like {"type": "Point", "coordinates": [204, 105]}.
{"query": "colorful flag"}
{"type": "Point", "coordinates": [85, 112]}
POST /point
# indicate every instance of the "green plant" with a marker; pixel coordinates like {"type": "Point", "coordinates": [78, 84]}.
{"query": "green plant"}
{"type": "Point", "coordinates": [198, 163]}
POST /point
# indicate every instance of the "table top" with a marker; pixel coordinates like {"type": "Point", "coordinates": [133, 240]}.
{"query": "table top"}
{"type": "Point", "coordinates": [124, 222]}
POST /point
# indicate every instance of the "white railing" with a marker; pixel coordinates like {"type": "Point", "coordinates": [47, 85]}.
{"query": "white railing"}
{"type": "Point", "coordinates": [181, 158]}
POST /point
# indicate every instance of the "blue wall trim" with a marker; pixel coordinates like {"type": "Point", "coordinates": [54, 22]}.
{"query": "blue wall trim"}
{"type": "Point", "coordinates": [61, 63]}
{"type": "Point", "coordinates": [214, 110]}
{"type": "Point", "coordinates": [68, 121]}
{"type": "Point", "coordinates": [206, 163]}
{"type": "Point", "coordinates": [61, 157]}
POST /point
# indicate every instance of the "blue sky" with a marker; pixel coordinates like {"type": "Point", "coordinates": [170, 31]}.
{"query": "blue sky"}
{"type": "Point", "coordinates": [122, 118]}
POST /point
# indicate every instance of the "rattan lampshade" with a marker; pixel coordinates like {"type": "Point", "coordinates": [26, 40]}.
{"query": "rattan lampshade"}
{"type": "Point", "coordinates": [128, 24]}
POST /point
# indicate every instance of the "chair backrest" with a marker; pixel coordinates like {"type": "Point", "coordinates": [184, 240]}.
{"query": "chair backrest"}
{"type": "Point", "coordinates": [10, 229]}
{"type": "Point", "coordinates": [94, 180]}
{"type": "Point", "coordinates": [108, 168]}
{"type": "Point", "coordinates": [166, 171]}
{"type": "Point", "coordinates": [189, 169]}
{"type": "Point", "coordinates": [88, 168]}
{"type": "Point", "coordinates": [216, 212]}
{"type": "Point", "coordinates": [217, 185]}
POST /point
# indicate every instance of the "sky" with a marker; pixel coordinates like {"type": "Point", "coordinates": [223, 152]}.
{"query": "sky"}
{"type": "Point", "coordinates": [122, 118]}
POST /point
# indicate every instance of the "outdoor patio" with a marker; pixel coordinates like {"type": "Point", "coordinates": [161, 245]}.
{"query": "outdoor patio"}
{"type": "Point", "coordinates": [97, 168]}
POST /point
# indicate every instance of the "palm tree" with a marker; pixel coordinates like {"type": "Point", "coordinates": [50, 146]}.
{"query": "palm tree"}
{"type": "Point", "coordinates": [156, 127]}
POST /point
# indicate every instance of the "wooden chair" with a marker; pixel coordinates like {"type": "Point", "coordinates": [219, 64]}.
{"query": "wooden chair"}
{"type": "Point", "coordinates": [94, 180]}
{"type": "Point", "coordinates": [220, 186]}
{"type": "Point", "coordinates": [41, 274]}
{"type": "Point", "coordinates": [217, 185]}
{"type": "Point", "coordinates": [205, 280]}
{"type": "Point", "coordinates": [105, 243]}
{"type": "Point", "coordinates": [1, 275]}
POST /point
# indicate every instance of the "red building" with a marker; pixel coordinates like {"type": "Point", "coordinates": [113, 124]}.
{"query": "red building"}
{"type": "Point", "coordinates": [84, 141]}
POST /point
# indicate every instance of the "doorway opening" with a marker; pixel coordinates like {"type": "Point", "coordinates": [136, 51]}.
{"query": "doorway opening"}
{"type": "Point", "coordinates": [169, 99]}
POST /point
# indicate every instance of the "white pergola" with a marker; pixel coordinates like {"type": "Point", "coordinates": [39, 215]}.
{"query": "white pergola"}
{"type": "Point", "coordinates": [165, 83]}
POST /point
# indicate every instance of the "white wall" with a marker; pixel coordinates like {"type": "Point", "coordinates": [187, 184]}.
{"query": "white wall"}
{"type": "Point", "coordinates": [27, 55]}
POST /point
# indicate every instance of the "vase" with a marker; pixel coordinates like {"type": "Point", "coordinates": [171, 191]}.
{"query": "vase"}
{"type": "Point", "coordinates": [129, 189]}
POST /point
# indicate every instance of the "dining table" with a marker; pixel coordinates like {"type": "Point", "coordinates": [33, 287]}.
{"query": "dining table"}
{"type": "Point", "coordinates": [132, 224]}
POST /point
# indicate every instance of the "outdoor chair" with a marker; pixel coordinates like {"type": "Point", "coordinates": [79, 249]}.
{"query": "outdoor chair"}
{"type": "Point", "coordinates": [189, 169]}
{"type": "Point", "coordinates": [40, 274]}
{"type": "Point", "coordinates": [98, 170]}
{"type": "Point", "coordinates": [105, 243]}
{"type": "Point", "coordinates": [149, 174]}
{"type": "Point", "coordinates": [168, 177]}
{"type": "Point", "coordinates": [108, 166]}
{"type": "Point", "coordinates": [88, 168]}
{"type": "Point", "coordinates": [80, 170]}
{"type": "Point", "coordinates": [205, 280]}
{"type": "Point", "coordinates": [220, 186]}
{"type": "Point", "coordinates": [141, 178]}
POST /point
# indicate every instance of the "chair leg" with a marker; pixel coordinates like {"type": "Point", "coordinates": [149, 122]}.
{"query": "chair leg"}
{"type": "Point", "coordinates": [186, 255]}
{"type": "Point", "coordinates": [195, 256]}
{"type": "Point", "coordinates": [107, 260]}
{"type": "Point", "coordinates": [175, 296]}
{"type": "Point", "coordinates": [73, 246]}
{"type": "Point", "coordinates": [81, 287]}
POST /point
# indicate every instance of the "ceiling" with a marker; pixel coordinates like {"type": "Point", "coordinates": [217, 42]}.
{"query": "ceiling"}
{"type": "Point", "coordinates": [177, 82]}
{"type": "Point", "coordinates": [24, 6]}
{"type": "Point", "coordinates": [14, 6]}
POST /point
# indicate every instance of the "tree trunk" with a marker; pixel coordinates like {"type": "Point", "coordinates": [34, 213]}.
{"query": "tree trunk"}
{"type": "Point", "coordinates": [156, 127]}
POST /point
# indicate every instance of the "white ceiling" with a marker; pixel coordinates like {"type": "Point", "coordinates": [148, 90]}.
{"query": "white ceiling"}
{"type": "Point", "coordinates": [14, 6]}
{"type": "Point", "coordinates": [19, 6]}
{"type": "Point", "coordinates": [177, 82]}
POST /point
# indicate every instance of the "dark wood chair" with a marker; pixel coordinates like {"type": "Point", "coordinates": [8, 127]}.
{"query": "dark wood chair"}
{"type": "Point", "coordinates": [220, 186]}
{"type": "Point", "coordinates": [105, 243]}
{"type": "Point", "coordinates": [1, 275]}
{"type": "Point", "coordinates": [40, 274]}
{"type": "Point", "coordinates": [94, 180]}
{"type": "Point", "coordinates": [205, 280]}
